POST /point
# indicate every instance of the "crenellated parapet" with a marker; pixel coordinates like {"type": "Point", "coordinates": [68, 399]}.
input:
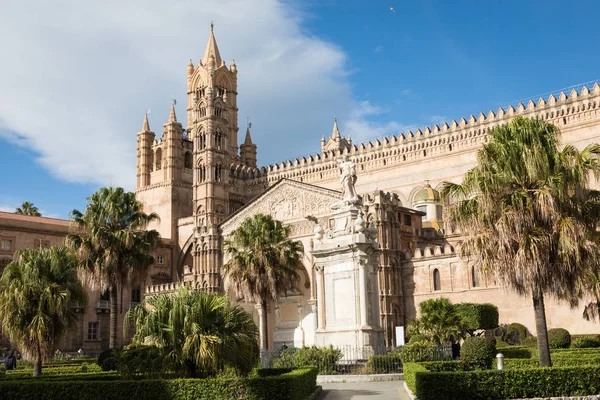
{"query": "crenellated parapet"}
{"type": "Point", "coordinates": [566, 111]}
{"type": "Point", "coordinates": [428, 252]}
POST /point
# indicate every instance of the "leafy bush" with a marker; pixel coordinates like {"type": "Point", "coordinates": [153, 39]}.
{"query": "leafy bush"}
{"type": "Point", "coordinates": [506, 384]}
{"type": "Point", "coordinates": [142, 361]}
{"type": "Point", "coordinates": [417, 339]}
{"type": "Point", "coordinates": [385, 363]}
{"type": "Point", "coordinates": [294, 385]}
{"type": "Point", "coordinates": [478, 316]}
{"type": "Point", "coordinates": [478, 353]}
{"type": "Point", "coordinates": [515, 332]}
{"type": "Point", "coordinates": [559, 338]}
{"type": "Point", "coordinates": [108, 360]}
{"type": "Point", "coordinates": [515, 352]}
{"type": "Point", "coordinates": [422, 351]}
{"type": "Point", "coordinates": [322, 358]}
{"type": "Point", "coordinates": [583, 343]}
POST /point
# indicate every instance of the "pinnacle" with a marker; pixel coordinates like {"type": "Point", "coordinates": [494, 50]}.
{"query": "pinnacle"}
{"type": "Point", "coordinates": [172, 116]}
{"type": "Point", "coordinates": [212, 50]}
{"type": "Point", "coordinates": [248, 139]}
{"type": "Point", "coordinates": [336, 132]}
{"type": "Point", "coordinates": [146, 125]}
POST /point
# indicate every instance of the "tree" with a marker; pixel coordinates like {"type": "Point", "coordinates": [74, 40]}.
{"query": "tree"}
{"type": "Point", "coordinates": [439, 322]}
{"type": "Point", "coordinates": [197, 334]}
{"type": "Point", "coordinates": [477, 316]}
{"type": "Point", "coordinates": [28, 208]}
{"type": "Point", "coordinates": [112, 244]}
{"type": "Point", "coordinates": [263, 264]}
{"type": "Point", "coordinates": [529, 216]}
{"type": "Point", "coordinates": [37, 291]}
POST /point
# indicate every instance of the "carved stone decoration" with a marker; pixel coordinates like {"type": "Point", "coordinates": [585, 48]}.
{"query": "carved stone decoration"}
{"type": "Point", "coordinates": [290, 202]}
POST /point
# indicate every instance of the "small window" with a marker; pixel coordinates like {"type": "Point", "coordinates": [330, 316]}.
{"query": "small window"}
{"type": "Point", "coordinates": [105, 296]}
{"type": "Point", "coordinates": [136, 294]}
{"type": "Point", "coordinates": [407, 220]}
{"type": "Point", "coordinates": [423, 209]}
{"type": "Point", "coordinates": [93, 330]}
{"type": "Point", "coordinates": [6, 245]}
{"type": "Point", "coordinates": [160, 259]}
{"type": "Point", "coordinates": [437, 284]}
{"type": "Point", "coordinates": [475, 276]}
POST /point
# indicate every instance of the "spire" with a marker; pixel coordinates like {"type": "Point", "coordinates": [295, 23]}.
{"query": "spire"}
{"type": "Point", "coordinates": [248, 139]}
{"type": "Point", "coordinates": [212, 49]}
{"type": "Point", "coordinates": [336, 132]}
{"type": "Point", "coordinates": [172, 116]}
{"type": "Point", "coordinates": [146, 126]}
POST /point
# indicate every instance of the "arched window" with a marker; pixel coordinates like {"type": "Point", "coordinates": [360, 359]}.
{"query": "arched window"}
{"type": "Point", "coordinates": [202, 173]}
{"type": "Point", "coordinates": [158, 159]}
{"type": "Point", "coordinates": [187, 160]}
{"type": "Point", "coordinates": [218, 140]}
{"type": "Point", "coordinates": [202, 141]}
{"type": "Point", "coordinates": [218, 173]}
{"type": "Point", "coordinates": [475, 276]}
{"type": "Point", "coordinates": [437, 284]}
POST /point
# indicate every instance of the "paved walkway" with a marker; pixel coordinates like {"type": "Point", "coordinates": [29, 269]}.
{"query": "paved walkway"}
{"type": "Point", "coordinates": [364, 391]}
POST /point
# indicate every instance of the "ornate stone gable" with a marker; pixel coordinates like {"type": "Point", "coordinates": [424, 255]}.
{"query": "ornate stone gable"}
{"type": "Point", "coordinates": [288, 201]}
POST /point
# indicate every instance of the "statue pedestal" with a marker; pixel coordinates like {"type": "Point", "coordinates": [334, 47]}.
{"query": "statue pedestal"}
{"type": "Point", "coordinates": [345, 258]}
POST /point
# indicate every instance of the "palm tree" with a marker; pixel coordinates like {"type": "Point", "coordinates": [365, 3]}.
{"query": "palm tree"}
{"type": "Point", "coordinates": [529, 216]}
{"type": "Point", "coordinates": [112, 244]}
{"type": "Point", "coordinates": [36, 294]}
{"type": "Point", "coordinates": [439, 322]}
{"type": "Point", "coordinates": [198, 334]}
{"type": "Point", "coordinates": [28, 208]}
{"type": "Point", "coordinates": [263, 264]}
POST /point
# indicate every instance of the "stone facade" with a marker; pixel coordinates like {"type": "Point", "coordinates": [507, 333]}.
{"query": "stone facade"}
{"type": "Point", "coordinates": [398, 178]}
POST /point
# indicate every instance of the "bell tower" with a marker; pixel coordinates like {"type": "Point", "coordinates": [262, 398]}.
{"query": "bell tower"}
{"type": "Point", "coordinates": [212, 121]}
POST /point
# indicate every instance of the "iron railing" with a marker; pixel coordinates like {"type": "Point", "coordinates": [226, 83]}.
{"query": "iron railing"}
{"type": "Point", "coordinates": [349, 360]}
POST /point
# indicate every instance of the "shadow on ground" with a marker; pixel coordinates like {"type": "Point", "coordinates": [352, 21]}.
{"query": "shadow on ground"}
{"type": "Point", "coordinates": [338, 394]}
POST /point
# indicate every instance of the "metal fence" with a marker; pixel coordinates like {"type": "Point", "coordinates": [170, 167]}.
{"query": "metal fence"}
{"type": "Point", "coordinates": [349, 360]}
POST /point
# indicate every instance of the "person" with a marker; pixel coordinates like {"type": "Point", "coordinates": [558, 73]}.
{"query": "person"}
{"type": "Point", "coordinates": [10, 362]}
{"type": "Point", "coordinates": [284, 347]}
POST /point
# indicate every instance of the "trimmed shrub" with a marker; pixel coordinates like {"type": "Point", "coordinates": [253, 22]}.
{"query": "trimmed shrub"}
{"type": "Point", "coordinates": [322, 358]}
{"type": "Point", "coordinates": [507, 384]}
{"type": "Point", "coordinates": [478, 316]}
{"type": "Point", "coordinates": [559, 338]}
{"type": "Point", "coordinates": [410, 371]}
{"type": "Point", "coordinates": [384, 363]}
{"type": "Point", "coordinates": [582, 343]}
{"type": "Point", "coordinates": [515, 352]}
{"type": "Point", "coordinates": [108, 360]}
{"type": "Point", "coordinates": [477, 353]}
{"type": "Point", "coordinates": [66, 370]}
{"type": "Point", "coordinates": [444, 366]}
{"type": "Point", "coordinates": [529, 341]}
{"type": "Point", "coordinates": [515, 332]}
{"type": "Point", "coordinates": [294, 385]}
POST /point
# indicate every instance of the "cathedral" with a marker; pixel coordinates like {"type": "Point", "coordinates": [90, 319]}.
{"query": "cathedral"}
{"type": "Point", "coordinates": [375, 244]}
{"type": "Point", "coordinates": [203, 183]}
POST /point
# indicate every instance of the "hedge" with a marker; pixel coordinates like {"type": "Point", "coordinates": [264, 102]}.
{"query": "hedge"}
{"type": "Point", "coordinates": [56, 370]}
{"type": "Point", "coordinates": [410, 371]}
{"type": "Point", "coordinates": [506, 384]}
{"type": "Point", "coordinates": [294, 385]}
{"type": "Point", "coordinates": [515, 352]}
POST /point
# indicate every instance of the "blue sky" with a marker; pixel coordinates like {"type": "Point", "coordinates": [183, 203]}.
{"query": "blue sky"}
{"type": "Point", "coordinates": [82, 74]}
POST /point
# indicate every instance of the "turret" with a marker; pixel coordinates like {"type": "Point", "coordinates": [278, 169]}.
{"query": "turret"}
{"type": "Point", "coordinates": [173, 138]}
{"type": "Point", "coordinates": [248, 151]}
{"type": "Point", "coordinates": [428, 200]}
{"type": "Point", "coordinates": [145, 138]}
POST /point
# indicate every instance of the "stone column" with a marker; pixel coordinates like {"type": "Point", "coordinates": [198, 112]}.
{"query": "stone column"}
{"type": "Point", "coordinates": [320, 306]}
{"type": "Point", "coordinates": [363, 293]}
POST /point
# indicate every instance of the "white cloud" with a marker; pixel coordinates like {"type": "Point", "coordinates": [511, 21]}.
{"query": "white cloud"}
{"type": "Point", "coordinates": [7, 208]}
{"type": "Point", "coordinates": [78, 76]}
{"type": "Point", "coordinates": [361, 128]}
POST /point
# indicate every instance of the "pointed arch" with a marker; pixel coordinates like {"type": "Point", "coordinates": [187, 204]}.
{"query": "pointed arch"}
{"type": "Point", "coordinates": [158, 159]}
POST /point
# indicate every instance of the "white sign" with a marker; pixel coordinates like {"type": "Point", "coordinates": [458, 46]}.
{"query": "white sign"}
{"type": "Point", "coordinates": [399, 336]}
